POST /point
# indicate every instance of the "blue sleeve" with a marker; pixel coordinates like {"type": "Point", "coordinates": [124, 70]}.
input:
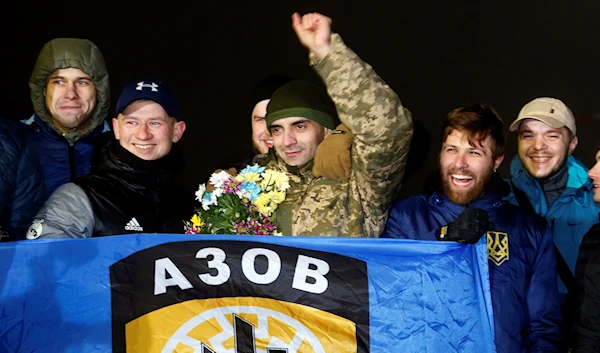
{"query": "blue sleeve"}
{"type": "Point", "coordinates": [404, 223]}
{"type": "Point", "coordinates": [393, 229]}
{"type": "Point", "coordinates": [543, 301]}
{"type": "Point", "coordinates": [29, 194]}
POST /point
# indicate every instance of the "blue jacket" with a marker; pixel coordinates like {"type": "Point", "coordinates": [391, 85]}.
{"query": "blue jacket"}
{"type": "Point", "coordinates": [22, 191]}
{"type": "Point", "coordinates": [61, 162]}
{"type": "Point", "coordinates": [571, 215]}
{"type": "Point", "coordinates": [523, 282]}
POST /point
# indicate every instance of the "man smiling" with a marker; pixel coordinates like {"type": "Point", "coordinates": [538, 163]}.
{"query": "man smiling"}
{"type": "Point", "coordinates": [71, 96]}
{"type": "Point", "coordinates": [594, 174]}
{"type": "Point", "coordinates": [521, 263]}
{"type": "Point", "coordinates": [301, 115]}
{"type": "Point", "coordinates": [545, 177]}
{"type": "Point", "coordinates": [132, 189]}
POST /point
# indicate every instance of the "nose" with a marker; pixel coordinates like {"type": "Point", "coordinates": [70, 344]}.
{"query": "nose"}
{"type": "Point", "coordinates": [289, 138]}
{"type": "Point", "coordinates": [71, 92]}
{"type": "Point", "coordinates": [539, 143]}
{"type": "Point", "coordinates": [143, 132]}
{"type": "Point", "coordinates": [461, 161]}
{"type": "Point", "coordinates": [594, 173]}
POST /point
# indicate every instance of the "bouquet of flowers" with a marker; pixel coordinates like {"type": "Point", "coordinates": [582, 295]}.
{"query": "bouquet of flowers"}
{"type": "Point", "coordinates": [241, 204]}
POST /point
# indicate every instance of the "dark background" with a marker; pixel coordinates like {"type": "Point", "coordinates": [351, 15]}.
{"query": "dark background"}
{"type": "Point", "coordinates": [435, 55]}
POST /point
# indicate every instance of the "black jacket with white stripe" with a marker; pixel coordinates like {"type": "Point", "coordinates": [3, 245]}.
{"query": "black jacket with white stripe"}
{"type": "Point", "coordinates": [124, 194]}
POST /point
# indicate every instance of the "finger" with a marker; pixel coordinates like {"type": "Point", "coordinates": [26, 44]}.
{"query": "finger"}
{"type": "Point", "coordinates": [296, 19]}
{"type": "Point", "coordinates": [316, 20]}
{"type": "Point", "coordinates": [319, 19]}
{"type": "Point", "coordinates": [306, 21]}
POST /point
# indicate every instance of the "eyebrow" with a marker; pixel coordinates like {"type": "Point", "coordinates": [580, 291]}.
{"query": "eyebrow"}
{"type": "Point", "coordinates": [482, 148]}
{"type": "Point", "coordinates": [152, 118]}
{"type": "Point", "coordinates": [552, 131]}
{"type": "Point", "coordinates": [297, 122]}
{"type": "Point", "coordinates": [301, 121]}
{"type": "Point", "coordinates": [76, 78]}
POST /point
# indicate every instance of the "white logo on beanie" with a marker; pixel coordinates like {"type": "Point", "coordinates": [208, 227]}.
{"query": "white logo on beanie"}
{"type": "Point", "coordinates": [141, 85]}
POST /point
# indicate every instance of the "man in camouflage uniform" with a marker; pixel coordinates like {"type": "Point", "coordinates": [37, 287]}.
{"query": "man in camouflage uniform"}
{"type": "Point", "coordinates": [382, 130]}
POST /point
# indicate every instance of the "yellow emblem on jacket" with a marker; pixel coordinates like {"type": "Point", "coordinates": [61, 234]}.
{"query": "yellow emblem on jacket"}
{"type": "Point", "coordinates": [497, 245]}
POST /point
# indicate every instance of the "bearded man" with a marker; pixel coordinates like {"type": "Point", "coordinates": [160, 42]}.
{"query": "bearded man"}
{"type": "Point", "coordinates": [467, 203]}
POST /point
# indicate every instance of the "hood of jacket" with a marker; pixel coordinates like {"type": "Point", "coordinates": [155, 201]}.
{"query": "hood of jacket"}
{"type": "Point", "coordinates": [62, 53]}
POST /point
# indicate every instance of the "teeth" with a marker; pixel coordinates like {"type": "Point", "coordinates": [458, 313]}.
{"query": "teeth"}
{"type": "Point", "coordinates": [461, 179]}
{"type": "Point", "coordinates": [459, 176]}
{"type": "Point", "coordinates": [540, 159]}
{"type": "Point", "coordinates": [144, 147]}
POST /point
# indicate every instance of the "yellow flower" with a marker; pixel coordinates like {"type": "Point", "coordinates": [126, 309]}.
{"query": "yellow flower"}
{"type": "Point", "coordinates": [281, 181]}
{"type": "Point", "coordinates": [265, 210]}
{"type": "Point", "coordinates": [262, 199]}
{"type": "Point", "coordinates": [272, 178]}
{"type": "Point", "coordinates": [277, 197]}
{"type": "Point", "coordinates": [266, 179]}
{"type": "Point", "coordinates": [263, 203]}
{"type": "Point", "coordinates": [197, 221]}
{"type": "Point", "coordinates": [248, 177]}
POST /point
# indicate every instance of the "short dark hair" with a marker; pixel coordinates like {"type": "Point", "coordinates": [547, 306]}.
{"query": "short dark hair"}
{"type": "Point", "coordinates": [477, 122]}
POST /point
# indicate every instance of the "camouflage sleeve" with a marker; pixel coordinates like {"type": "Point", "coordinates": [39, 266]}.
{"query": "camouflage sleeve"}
{"type": "Point", "coordinates": [382, 128]}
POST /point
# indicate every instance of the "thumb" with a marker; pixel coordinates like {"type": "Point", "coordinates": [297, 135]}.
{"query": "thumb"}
{"type": "Point", "coordinates": [297, 23]}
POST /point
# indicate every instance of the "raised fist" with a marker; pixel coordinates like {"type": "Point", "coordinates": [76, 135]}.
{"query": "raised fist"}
{"type": "Point", "coordinates": [313, 31]}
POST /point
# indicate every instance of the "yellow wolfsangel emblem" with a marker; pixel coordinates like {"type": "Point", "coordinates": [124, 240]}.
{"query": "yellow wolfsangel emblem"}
{"type": "Point", "coordinates": [497, 245]}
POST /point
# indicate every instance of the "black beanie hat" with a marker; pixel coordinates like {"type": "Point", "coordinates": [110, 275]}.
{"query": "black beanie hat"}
{"type": "Point", "coordinates": [302, 99]}
{"type": "Point", "coordinates": [265, 88]}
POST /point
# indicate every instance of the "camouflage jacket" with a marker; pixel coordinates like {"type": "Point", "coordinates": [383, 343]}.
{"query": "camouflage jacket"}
{"type": "Point", "coordinates": [382, 130]}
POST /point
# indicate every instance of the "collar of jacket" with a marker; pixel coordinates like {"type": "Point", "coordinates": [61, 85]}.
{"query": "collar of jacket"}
{"type": "Point", "coordinates": [40, 126]}
{"type": "Point", "coordinates": [486, 202]}
{"type": "Point", "coordinates": [578, 185]}
{"type": "Point", "coordinates": [301, 170]}
{"type": "Point", "coordinates": [117, 160]}
{"type": "Point", "coordinates": [271, 157]}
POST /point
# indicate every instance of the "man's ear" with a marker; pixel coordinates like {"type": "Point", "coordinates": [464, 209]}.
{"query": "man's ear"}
{"type": "Point", "coordinates": [573, 144]}
{"type": "Point", "coordinates": [498, 161]}
{"type": "Point", "coordinates": [178, 130]}
{"type": "Point", "coordinates": [327, 132]}
{"type": "Point", "coordinates": [115, 125]}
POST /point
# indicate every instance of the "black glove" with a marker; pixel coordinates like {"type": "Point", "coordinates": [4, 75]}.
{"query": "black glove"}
{"type": "Point", "coordinates": [468, 227]}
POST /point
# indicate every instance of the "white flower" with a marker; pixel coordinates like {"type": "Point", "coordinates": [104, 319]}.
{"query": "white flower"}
{"type": "Point", "coordinates": [206, 203]}
{"type": "Point", "coordinates": [215, 194]}
{"type": "Point", "coordinates": [200, 192]}
{"type": "Point", "coordinates": [243, 194]}
{"type": "Point", "coordinates": [219, 179]}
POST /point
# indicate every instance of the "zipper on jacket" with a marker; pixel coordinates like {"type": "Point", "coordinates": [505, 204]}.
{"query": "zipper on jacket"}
{"type": "Point", "coordinates": [72, 166]}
